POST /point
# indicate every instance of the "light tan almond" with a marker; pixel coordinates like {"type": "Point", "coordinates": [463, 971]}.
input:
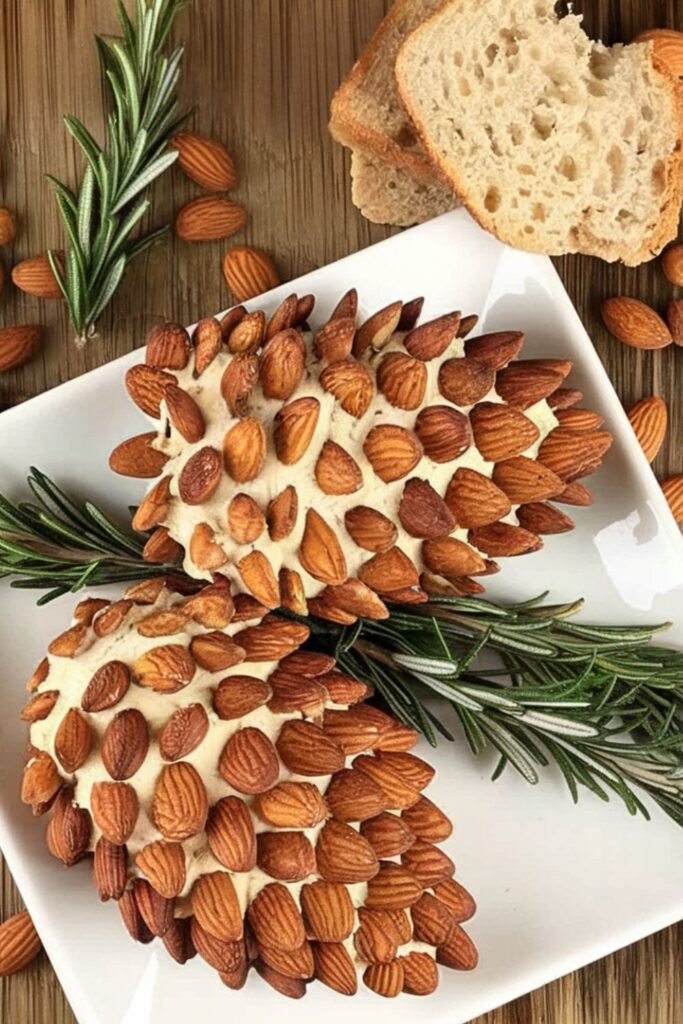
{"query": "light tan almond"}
{"type": "Point", "coordinates": [205, 161]}
{"type": "Point", "coordinates": [649, 419]}
{"type": "Point", "coordinates": [320, 553]}
{"type": "Point", "coordinates": [258, 577]}
{"type": "Point", "coordinates": [244, 450]}
{"type": "Point", "coordinates": [351, 384]}
{"type": "Point", "coordinates": [402, 380]}
{"type": "Point", "coordinates": [635, 323]}
{"type": "Point", "coordinates": [282, 513]}
{"type": "Point", "coordinates": [17, 344]}
{"type": "Point", "coordinates": [209, 218]}
{"type": "Point", "coordinates": [292, 593]}
{"type": "Point", "coordinates": [376, 331]}
{"type": "Point", "coordinates": [294, 427]}
{"type": "Point", "coordinates": [183, 732]}
{"type": "Point", "coordinates": [207, 340]}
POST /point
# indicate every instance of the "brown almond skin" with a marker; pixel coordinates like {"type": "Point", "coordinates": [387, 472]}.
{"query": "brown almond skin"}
{"type": "Point", "coordinates": [163, 864]}
{"type": "Point", "coordinates": [249, 272]}
{"type": "Point", "coordinates": [635, 323]}
{"type": "Point", "coordinates": [17, 344]}
{"type": "Point", "coordinates": [275, 918]}
{"type": "Point", "coordinates": [282, 364]}
{"type": "Point", "coordinates": [125, 744]}
{"type": "Point", "coordinates": [423, 513]}
{"type": "Point", "coordinates": [73, 741]}
{"type": "Point", "coordinates": [431, 339]}
{"type": "Point", "coordinates": [327, 910]}
{"type": "Point", "coordinates": [135, 457]}
{"type": "Point", "coordinates": [209, 218]}
{"type": "Point", "coordinates": [291, 805]}
{"type": "Point", "coordinates": [335, 968]}
{"type": "Point", "coordinates": [19, 944]}
{"type": "Point", "coordinates": [287, 856]}
{"type": "Point", "coordinates": [110, 872]}
{"type": "Point", "coordinates": [249, 761]}
{"type": "Point", "coordinates": [168, 347]}
{"type": "Point", "coordinates": [230, 833]}
{"type": "Point", "coordinates": [649, 419]}
{"type": "Point", "coordinates": [115, 808]}
{"type": "Point", "coordinates": [180, 805]}
{"type": "Point", "coordinates": [402, 380]}
{"type": "Point", "coordinates": [183, 732]}
{"type": "Point", "coordinates": [146, 386]}
{"type": "Point", "coordinates": [206, 161]}
{"type": "Point", "coordinates": [244, 450]}
{"type": "Point", "coordinates": [293, 428]}
{"type": "Point", "coordinates": [35, 277]}
{"type": "Point", "coordinates": [200, 476]}
{"type": "Point", "coordinates": [184, 413]}
{"type": "Point", "coordinates": [70, 829]}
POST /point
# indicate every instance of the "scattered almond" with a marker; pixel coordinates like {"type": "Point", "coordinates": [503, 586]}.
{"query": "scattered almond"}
{"type": "Point", "coordinates": [8, 228]}
{"type": "Point", "coordinates": [35, 277]}
{"type": "Point", "coordinates": [649, 418]}
{"type": "Point", "coordinates": [635, 323]}
{"type": "Point", "coordinates": [17, 344]}
{"type": "Point", "coordinates": [674, 318]}
{"type": "Point", "coordinates": [249, 272]}
{"type": "Point", "coordinates": [673, 492]}
{"type": "Point", "coordinates": [209, 218]}
{"type": "Point", "coordinates": [205, 161]}
{"type": "Point", "coordinates": [19, 944]}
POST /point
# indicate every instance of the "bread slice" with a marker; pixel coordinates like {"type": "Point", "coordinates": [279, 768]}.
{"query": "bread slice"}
{"type": "Point", "coordinates": [554, 142]}
{"type": "Point", "coordinates": [367, 113]}
{"type": "Point", "coordinates": [392, 195]}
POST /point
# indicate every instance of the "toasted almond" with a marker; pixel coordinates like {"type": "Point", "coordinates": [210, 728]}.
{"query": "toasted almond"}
{"type": "Point", "coordinates": [427, 863]}
{"type": "Point", "coordinates": [431, 339]}
{"type": "Point", "coordinates": [355, 598]}
{"type": "Point", "coordinates": [674, 319]}
{"type": "Point", "coordinates": [423, 513]}
{"type": "Point", "coordinates": [155, 910]}
{"type": "Point", "coordinates": [230, 833]}
{"type": "Point", "coordinates": [258, 577]}
{"type": "Point", "coordinates": [35, 276]}
{"type": "Point", "coordinates": [8, 228]}
{"type": "Point", "coordinates": [635, 323]}
{"type": "Point", "coordinates": [160, 548]}
{"type": "Point", "coordinates": [215, 651]}
{"type": "Point", "coordinates": [204, 550]}
{"type": "Point", "coordinates": [107, 687]}
{"type": "Point", "coordinates": [334, 967]}
{"type": "Point", "coordinates": [110, 618]}
{"type": "Point", "coordinates": [523, 479]}
{"type": "Point", "coordinates": [574, 453]}
{"type": "Point", "coordinates": [212, 607]}
{"type": "Point", "coordinates": [354, 796]}
{"type": "Point", "coordinates": [205, 161]}
{"type": "Point", "coordinates": [454, 586]}
{"type": "Point", "coordinates": [564, 398]}
{"type": "Point", "coordinates": [246, 521]}
{"type": "Point", "coordinates": [385, 979]}
{"type": "Point", "coordinates": [207, 340]}
{"type": "Point", "coordinates": [352, 730]}
{"type": "Point", "coordinates": [154, 507]}
{"type": "Point", "coordinates": [271, 640]}
{"type": "Point", "coordinates": [275, 918]}
{"type": "Point", "coordinates": [501, 432]}
{"type": "Point", "coordinates": [306, 750]}
{"type": "Point", "coordinates": [110, 873]}
{"type": "Point", "coordinates": [575, 493]}
{"type": "Point", "coordinates": [420, 973]}
{"type": "Point", "coordinates": [402, 380]}
{"type": "Point", "coordinates": [244, 450]}
{"type": "Point", "coordinates": [73, 741]}
{"type": "Point", "coordinates": [456, 898]}
{"type": "Point", "coordinates": [249, 761]}
{"type": "Point", "coordinates": [304, 308]}
{"type": "Point", "coordinates": [115, 809]}
{"type": "Point", "coordinates": [495, 350]}
{"type": "Point", "coordinates": [216, 906]}
{"type": "Point", "coordinates": [147, 385]}
{"type": "Point", "coordinates": [334, 341]}
{"type": "Point", "coordinates": [180, 805]}
{"type": "Point", "coordinates": [200, 476]}
{"type": "Point", "coordinates": [351, 384]}
{"type": "Point", "coordinates": [579, 419]}
{"type": "Point", "coordinates": [387, 834]}
{"type": "Point", "coordinates": [178, 940]}
{"type": "Point", "coordinates": [398, 792]}
{"type": "Point", "coordinates": [465, 381]}
{"type": "Point", "coordinates": [672, 264]}
{"type": "Point", "coordinates": [459, 953]}
{"type": "Point", "coordinates": [184, 413]}
{"type": "Point", "coordinates": [132, 918]}
{"type": "Point", "coordinates": [292, 693]}
{"type": "Point", "coordinates": [668, 47]}
{"type": "Point", "coordinates": [183, 732]}
{"type": "Point", "coordinates": [336, 472]}
{"type": "Point", "coordinates": [238, 381]}
{"type": "Point", "coordinates": [166, 668]}
{"type": "Point", "coordinates": [392, 451]}
{"type": "Point", "coordinates": [291, 805]}
{"type": "Point", "coordinates": [209, 218]}
{"type": "Point", "coordinates": [285, 855]}
{"type": "Point", "coordinates": [370, 529]}
{"type": "Point", "coordinates": [343, 855]}
{"type": "Point", "coordinates": [168, 347]}
{"type": "Point", "coordinates": [227, 957]}
{"type": "Point", "coordinates": [443, 432]}
{"type": "Point", "coordinates": [17, 344]}
{"type": "Point", "coordinates": [427, 821]}
{"type": "Point", "coordinates": [475, 500]}
{"type": "Point", "coordinates": [543, 518]}
{"type": "Point", "coordinates": [125, 744]}
{"type": "Point", "coordinates": [19, 944]}
{"type": "Point", "coordinates": [320, 552]}
{"type": "Point", "coordinates": [163, 864]}
{"type": "Point", "coordinates": [282, 364]}
{"type": "Point", "coordinates": [165, 622]}
{"type": "Point", "coordinates": [389, 570]}
{"type": "Point", "coordinates": [249, 272]}
{"type": "Point", "coordinates": [282, 513]}
{"type": "Point", "coordinates": [377, 329]}
{"type": "Point", "coordinates": [375, 940]}
{"type": "Point", "coordinates": [649, 419]}
{"type": "Point", "coordinates": [70, 829]}
{"type": "Point", "coordinates": [68, 643]}
{"type": "Point", "coordinates": [504, 540]}
{"type": "Point", "coordinates": [39, 675]}
{"type": "Point", "coordinates": [40, 706]}
{"type": "Point", "coordinates": [393, 887]}
{"type": "Point", "coordinates": [523, 383]}
{"type": "Point", "coordinates": [347, 306]}
{"type": "Point", "coordinates": [327, 910]}
{"type": "Point", "coordinates": [238, 695]}
{"type": "Point", "coordinates": [283, 317]}
{"type": "Point", "coordinates": [294, 964]}
{"type": "Point", "coordinates": [294, 427]}
{"type": "Point", "coordinates": [343, 689]}
{"type": "Point", "coordinates": [244, 332]}
{"type": "Point", "coordinates": [673, 492]}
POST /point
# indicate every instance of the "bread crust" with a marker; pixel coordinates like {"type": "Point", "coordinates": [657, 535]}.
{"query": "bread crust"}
{"type": "Point", "coordinates": [346, 128]}
{"type": "Point", "coordinates": [587, 243]}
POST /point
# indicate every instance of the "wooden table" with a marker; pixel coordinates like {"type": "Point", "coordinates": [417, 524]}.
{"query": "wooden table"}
{"type": "Point", "coordinates": [260, 74]}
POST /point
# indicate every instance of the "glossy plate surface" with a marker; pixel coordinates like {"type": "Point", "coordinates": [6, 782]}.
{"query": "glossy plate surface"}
{"type": "Point", "coordinates": [557, 885]}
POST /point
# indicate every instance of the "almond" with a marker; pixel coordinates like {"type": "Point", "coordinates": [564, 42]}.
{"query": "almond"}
{"type": "Point", "coordinates": [207, 340]}
{"type": "Point", "coordinates": [334, 967]}
{"type": "Point", "coordinates": [343, 855]}
{"type": "Point", "coordinates": [393, 887]}
{"type": "Point", "coordinates": [19, 944]}
{"type": "Point", "coordinates": [410, 314]}
{"type": "Point", "coordinates": [249, 272]}
{"type": "Point", "coordinates": [402, 380]}
{"type": "Point", "coordinates": [155, 910]}
{"type": "Point", "coordinates": [275, 918]}
{"type": "Point", "coordinates": [40, 782]}
{"type": "Point", "coordinates": [649, 419]}
{"type": "Point", "coordinates": [564, 398]}
{"type": "Point", "coordinates": [387, 834]}
{"type": "Point", "coordinates": [110, 618]}
{"type": "Point", "coordinates": [524, 479]}
{"type": "Point", "coordinates": [180, 806]}
{"type": "Point", "coordinates": [283, 317]}
{"type": "Point", "coordinates": [160, 548]}
{"type": "Point", "coordinates": [389, 570]}
{"type": "Point", "coordinates": [287, 856]}
{"type": "Point", "coordinates": [17, 344]}
{"type": "Point", "coordinates": [412, 769]}
{"type": "Point", "coordinates": [673, 492]}
{"type": "Point", "coordinates": [375, 940]}
{"type": "Point", "coordinates": [70, 829]}
{"type": "Point", "coordinates": [271, 640]}
{"type": "Point", "coordinates": [327, 910]}
{"type": "Point", "coordinates": [244, 450]}
{"type": "Point", "coordinates": [427, 863]}
{"type": "Point", "coordinates": [456, 898]}
{"type": "Point", "coordinates": [501, 432]}
{"type": "Point", "coordinates": [377, 329]}
{"type": "Point", "coordinates": [433, 338]}
{"type": "Point", "coordinates": [67, 644]}
{"type": "Point", "coordinates": [336, 472]}
{"type": "Point", "coordinates": [579, 419]}
{"type": "Point", "coordinates": [443, 432]}
{"type": "Point", "coordinates": [165, 669]}
{"type": "Point", "coordinates": [635, 323]}
{"type": "Point", "coordinates": [110, 873]}
{"type": "Point", "coordinates": [524, 383]}
{"type": "Point", "coordinates": [317, 607]}
{"type": "Point", "coordinates": [370, 529]}
{"type": "Point", "coordinates": [205, 161]}
{"type": "Point", "coordinates": [355, 598]}
{"type": "Point", "coordinates": [423, 513]}
{"type": "Point", "coordinates": [543, 518]}
{"type": "Point", "coordinates": [495, 350]}
{"type": "Point", "coordinates": [227, 957]}
{"type": "Point", "coordinates": [137, 458]}
{"type": "Point", "coordinates": [294, 427]}
{"type": "Point", "coordinates": [459, 953]}
{"type": "Point", "coordinates": [344, 689]}
{"type": "Point", "coordinates": [200, 476]}
{"type": "Point", "coordinates": [420, 974]}
{"type": "Point", "coordinates": [504, 540]}
{"type": "Point", "coordinates": [427, 821]}
{"type": "Point", "coordinates": [282, 513]}
{"type": "Point", "coordinates": [125, 744]}
{"type": "Point", "coordinates": [293, 965]}
{"type": "Point", "coordinates": [306, 750]}
{"type": "Point", "coordinates": [475, 500]}
{"type": "Point", "coordinates": [40, 674]}
{"type": "Point", "coordinates": [672, 264]}
{"type": "Point", "coordinates": [573, 453]}
{"type": "Point", "coordinates": [215, 651]}
{"type": "Point", "coordinates": [204, 550]}
{"type": "Point", "coordinates": [334, 341]}
{"type": "Point", "coordinates": [168, 347]}
{"type": "Point", "coordinates": [258, 577]}
{"type": "Point", "coordinates": [304, 307]}
{"type": "Point", "coordinates": [246, 521]}
{"type": "Point", "coordinates": [40, 706]}
{"type": "Point", "coordinates": [354, 796]}
{"type": "Point", "coordinates": [320, 553]}
{"type": "Point", "coordinates": [248, 332]}
{"type": "Point", "coordinates": [385, 979]}
{"type": "Point", "coordinates": [237, 382]}
{"type": "Point", "coordinates": [347, 306]}
{"type": "Point", "coordinates": [35, 277]}
{"type": "Point", "coordinates": [465, 381]}
{"type": "Point", "coordinates": [230, 832]}
{"type": "Point", "coordinates": [183, 732]}
{"type": "Point", "coordinates": [212, 607]}
{"type": "Point", "coordinates": [291, 693]}
{"type": "Point", "coordinates": [454, 586]}
{"type": "Point", "coordinates": [282, 364]}
{"type": "Point", "coordinates": [392, 451]}
{"type": "Point", "coordinates": [115, 809]}
{"type": "Point", "coordinates": [351, 384]}
{"type": "Point", "coordinates": [291, 805]}
{"type": "Point", "coordinates": [106, 687]}
{"type": "Point", "coordinates": [73, 741]}
{"type": "Point", "coordinates": [178, 940]}
{"type": "Point", "coordinates": [8, 228]}
{"type": "Point", "coordinates": [353, 730]}
{"type": "Point", "coordinates": [163, 864]}
{"type": "Point", "coordinates": [238, 695]}
{"type": "Point", "coordinates": [209, 218]}
{"type": "Point", "coordinates": [398, 792]}
{"type": "Point", "coordinates": [668, 47]}
{"type": "Point", "coordinates": [147, 385]}
{"type": "Point", "coordinates": [674, 318]}
{"type": "Point", "coordinates": [216, 906]}
{"type": "Point", "coordinates": [249, 761]}
{"type": "Point", "coordinates": [185, 414]}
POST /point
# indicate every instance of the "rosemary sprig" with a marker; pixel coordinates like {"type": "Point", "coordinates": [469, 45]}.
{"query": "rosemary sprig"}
{"type": "Point", "coordinates": [60, 545]}
{"type": "Point", "coordinates": [101, 219]}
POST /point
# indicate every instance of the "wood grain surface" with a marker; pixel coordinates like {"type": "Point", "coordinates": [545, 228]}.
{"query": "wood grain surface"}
{"type": "Point", "coordinates": [260, 74]}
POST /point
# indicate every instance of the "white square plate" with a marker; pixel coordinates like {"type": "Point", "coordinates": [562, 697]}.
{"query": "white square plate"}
{"type": "Point", "coordinates": [557, 885]}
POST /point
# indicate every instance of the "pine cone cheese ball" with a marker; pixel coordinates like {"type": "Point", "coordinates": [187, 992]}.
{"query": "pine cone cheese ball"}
{"type": "Point", "coordinates": [338, 470]}
{"type": "Point", "coordinates": [239, 797]}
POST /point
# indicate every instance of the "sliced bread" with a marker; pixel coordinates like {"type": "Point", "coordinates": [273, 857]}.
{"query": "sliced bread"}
{"type": "Point", "coordinates": [367, 113]}
{"type": "Point", "coordinates": [554, 142]}
{"type": "Point", "coordinates": [392, 195]}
